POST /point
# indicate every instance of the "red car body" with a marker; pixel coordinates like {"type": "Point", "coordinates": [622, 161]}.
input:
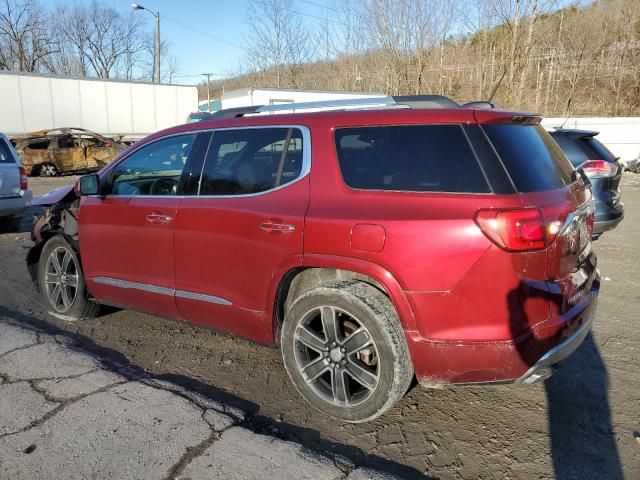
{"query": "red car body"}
{"type": "Point", "coordinates": [471, 310]}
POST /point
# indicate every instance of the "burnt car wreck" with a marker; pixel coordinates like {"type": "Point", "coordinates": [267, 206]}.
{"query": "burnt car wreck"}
{"type": "Point", "coordinates": [65, 150]}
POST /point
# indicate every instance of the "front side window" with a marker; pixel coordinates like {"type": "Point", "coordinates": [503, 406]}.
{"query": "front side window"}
{"type": "Point", "coordinates": [409, 158]}
{"type": "Point", "coordinates": [252, 160]}
{"type": "Point", "coordinates": [154, 169]}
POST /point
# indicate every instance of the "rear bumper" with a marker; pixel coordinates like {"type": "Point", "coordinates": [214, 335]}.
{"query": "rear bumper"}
{"type": "Point", "coordinates": [558, 353]}
{"type": "Point", "coordinates": [15, 205]}
{"type": "Point", "coordinates": [521, 360]}
{"type": "Point", "coordinates": [610, 221]}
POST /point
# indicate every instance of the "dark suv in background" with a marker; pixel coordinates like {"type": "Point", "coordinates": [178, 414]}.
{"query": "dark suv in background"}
{"type": "Point", "coordinates": [603, 170]}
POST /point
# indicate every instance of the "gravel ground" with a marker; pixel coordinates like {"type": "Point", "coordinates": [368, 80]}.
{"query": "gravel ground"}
{"type": "Point", "coordinates": [584, 422]}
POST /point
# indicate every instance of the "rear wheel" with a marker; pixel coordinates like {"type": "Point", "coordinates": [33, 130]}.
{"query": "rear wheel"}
{"type": "Point", "coordinates": [61, 282]}
{"type": "Point", "coordinates": [345, 351]}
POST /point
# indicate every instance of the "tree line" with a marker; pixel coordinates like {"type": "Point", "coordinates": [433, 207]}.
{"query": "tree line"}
{"type": "Point", "coordinates": [549, 56]}
{"type": "Point", "coordinates": [79, 39]}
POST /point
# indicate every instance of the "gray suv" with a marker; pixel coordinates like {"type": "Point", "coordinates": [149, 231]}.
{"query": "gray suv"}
{"type": "Point", "coordinates": [15, 196]}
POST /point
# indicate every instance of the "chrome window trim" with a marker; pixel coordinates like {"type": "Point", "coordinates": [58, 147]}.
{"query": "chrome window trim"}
{"type": "Point", "coordinates": [304, 171]}
{"type": "Point", "coordinates": [145, 287]}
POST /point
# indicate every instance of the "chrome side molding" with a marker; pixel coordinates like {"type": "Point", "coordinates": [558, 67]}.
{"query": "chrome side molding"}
{"type": "Point", "coordinates": [145, 287]}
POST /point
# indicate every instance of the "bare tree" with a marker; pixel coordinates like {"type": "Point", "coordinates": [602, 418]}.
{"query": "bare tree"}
{"type": "Point", "coordinates": [278, 40]}
{"type": "Point", "coordinates": [25, 40]}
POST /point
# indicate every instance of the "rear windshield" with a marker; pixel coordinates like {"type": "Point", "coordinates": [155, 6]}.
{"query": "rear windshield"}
{"type": "Point", "coordinates": [417, 158]}
{"type": "Point", "coordinates": [531, 156]}
{"type": "Point", "coordinates": [581, 149]}
{"type": "Point", "coordinates": [5, 153]}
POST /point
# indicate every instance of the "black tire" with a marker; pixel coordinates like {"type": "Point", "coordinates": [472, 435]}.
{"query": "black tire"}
{"type": "Point", "coordinates": [387, 358]}
{"type": "Point", "coordinates": [75, 303]}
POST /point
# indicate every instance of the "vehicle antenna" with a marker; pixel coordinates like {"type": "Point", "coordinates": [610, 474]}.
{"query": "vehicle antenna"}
{"type": "Point", "coordinates": [568, 112]}
{"type": "Point", "coordinates": [497, 85]}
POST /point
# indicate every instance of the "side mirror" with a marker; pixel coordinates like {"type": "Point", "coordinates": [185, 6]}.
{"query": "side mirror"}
{"type": "Point", "coordinates": [90, 184]}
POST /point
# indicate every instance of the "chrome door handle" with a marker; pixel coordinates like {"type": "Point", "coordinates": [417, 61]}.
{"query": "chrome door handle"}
{"type": "Point", "coordinates": [157, 218]}
{"type": "Point", "coordinates": [277, 227]}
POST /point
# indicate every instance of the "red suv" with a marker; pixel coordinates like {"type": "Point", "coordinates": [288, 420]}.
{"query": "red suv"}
{"type": "Point", "coordinates": [416, 238]}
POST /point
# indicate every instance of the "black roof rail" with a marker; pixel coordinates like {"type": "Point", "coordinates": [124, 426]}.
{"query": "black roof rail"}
{"type": "Point", "coordinates": [235, 112]}
{"type": "Point", "coordinates": [400, 101]}
{"type": "Point", "coordinates": [425, 101]}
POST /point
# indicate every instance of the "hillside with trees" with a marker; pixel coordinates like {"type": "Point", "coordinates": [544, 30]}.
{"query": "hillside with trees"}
{"type": "Point", "coordinates": [553, 57]}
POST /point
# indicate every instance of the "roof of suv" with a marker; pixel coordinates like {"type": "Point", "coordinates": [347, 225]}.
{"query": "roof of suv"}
{"type": "Point", "coordinates": [574, 133]}
{"type": "Point", "coordinates": [344, 118]}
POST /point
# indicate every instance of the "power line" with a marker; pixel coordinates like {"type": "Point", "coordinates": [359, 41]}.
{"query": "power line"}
{"type": "Point", "coordinates": [324, 19]}
{"type": "Point", "coordinates": [189, 27]}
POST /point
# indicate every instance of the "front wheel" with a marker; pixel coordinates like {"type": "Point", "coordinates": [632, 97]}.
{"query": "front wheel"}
{"type": "Point", "coordinates": [61, 282]}
{"type": "Point", "coordinates": [345, 351]}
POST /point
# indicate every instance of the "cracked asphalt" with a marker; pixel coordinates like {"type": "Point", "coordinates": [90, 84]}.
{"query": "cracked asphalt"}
{"type": "Point", "coordinates": [584, 422]}
{"type": "Point", "coordinates": [67, 413]}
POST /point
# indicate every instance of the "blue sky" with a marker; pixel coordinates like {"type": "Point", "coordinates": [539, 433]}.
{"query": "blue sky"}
{"type": "Point", "coordinates": [215, 32]}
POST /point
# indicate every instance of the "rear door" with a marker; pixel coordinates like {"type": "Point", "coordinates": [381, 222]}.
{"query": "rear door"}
{"type": "Point", "coordinates": [242, 225]}
{"type": "Point", "coordinates": [126, 236]}
{"type": "Point", "coordinates": [97, 152]}
{"type": "Point", "coordinates": [9, 173]}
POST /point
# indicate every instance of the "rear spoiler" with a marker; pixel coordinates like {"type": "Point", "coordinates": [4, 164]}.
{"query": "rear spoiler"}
{"type": "Point", "coordinates": [495, 116]}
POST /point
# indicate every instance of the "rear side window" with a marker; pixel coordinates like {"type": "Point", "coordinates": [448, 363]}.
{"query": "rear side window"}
{"type": "Point", "coordinates": [412, 158]}
{"type": "Point", "coordinates": [597, 150]}
{"type": "Point", "coordinates": [5, 153]}
{"type": "Point", "coordinates": [572, 150]}
{"type": "Point", "coordinates": [252, 160]}
{"type": "Point", "coordinates": [531, 156]}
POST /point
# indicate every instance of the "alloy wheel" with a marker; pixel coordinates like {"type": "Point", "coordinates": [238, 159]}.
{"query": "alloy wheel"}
{"type": "Point", "coordinates": [337, 356]}
{"type": "Point", "coordinates": [61, 279]}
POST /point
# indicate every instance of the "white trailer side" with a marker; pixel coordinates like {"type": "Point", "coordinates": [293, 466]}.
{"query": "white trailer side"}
{"type": "Point", "coordinates": [245, 97]}
{"type": "Point", "coordinates": [110, 107]}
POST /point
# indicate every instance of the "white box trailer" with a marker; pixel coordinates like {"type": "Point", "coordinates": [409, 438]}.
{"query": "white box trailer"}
{"type": "Point", "coordinates": [30, 102]}
{"type": "Point", "coordinates": [245, 97]}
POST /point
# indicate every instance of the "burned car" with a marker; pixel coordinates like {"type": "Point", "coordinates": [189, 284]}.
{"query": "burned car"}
{"type": "Point", "coordinates": [65, 150]}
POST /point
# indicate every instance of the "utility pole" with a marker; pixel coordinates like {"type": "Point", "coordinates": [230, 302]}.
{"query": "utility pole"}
{"type": "Point", "coordinates": [156, 50]}
{"type": "Point", "coordinates": [208, 91]}
{"type": "Point", "coordinates": [156, 73]}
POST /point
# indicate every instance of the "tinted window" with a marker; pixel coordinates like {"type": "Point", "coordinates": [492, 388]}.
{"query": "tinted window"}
{"type": "Point", "coordinates": [154, 169]}
{"type": "Point", "coordinates": [253, 160]}
{"type": "Point", "coordinates": [572, 149]}
{"type": "Point", "coordinates": [598, 150]}
{"type": "Point", "coordinates": [5, 153]}
{"type": "Point", "coordinates": [419, 158]}
{"type": "Point", "coordinates": [531, 156]}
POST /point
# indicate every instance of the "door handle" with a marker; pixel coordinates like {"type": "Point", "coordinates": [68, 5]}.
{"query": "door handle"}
{"type": "Point", "coordinates": [158, 218]}
{"type": "Point", "coordinates": [277, 227]}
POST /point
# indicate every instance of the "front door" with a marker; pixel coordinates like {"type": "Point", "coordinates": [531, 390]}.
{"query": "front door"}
{"type": "Point", "coordinates": [69, 155]}
{"type": "Point", "coordinates": [244, 223]}
{"type": "Point", "coordinates": [126, 237]}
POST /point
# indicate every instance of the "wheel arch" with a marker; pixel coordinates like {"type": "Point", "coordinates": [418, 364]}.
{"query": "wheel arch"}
{"type": "Point", "coordinates": [321, 269]}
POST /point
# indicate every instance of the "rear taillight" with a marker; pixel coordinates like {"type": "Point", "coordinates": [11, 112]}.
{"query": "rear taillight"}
{"type": "Point", "coordinates": [24, 183]}
{"type": "Point", "coordinates": [599, 168]}
{"type": "Point", "coordinates": [522, 229]}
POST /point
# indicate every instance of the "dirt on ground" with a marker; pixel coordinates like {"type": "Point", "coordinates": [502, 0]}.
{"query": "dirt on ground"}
{"type": "Point", "coordinates": [583, 422]}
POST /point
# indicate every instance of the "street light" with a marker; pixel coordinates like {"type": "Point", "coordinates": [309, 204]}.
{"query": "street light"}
{"type": "Point", "coordinates": [156, 56]}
